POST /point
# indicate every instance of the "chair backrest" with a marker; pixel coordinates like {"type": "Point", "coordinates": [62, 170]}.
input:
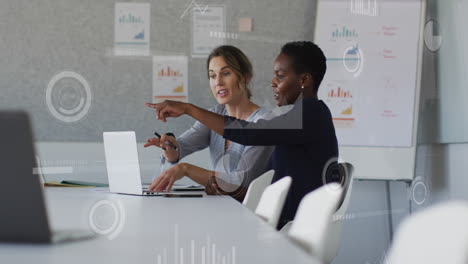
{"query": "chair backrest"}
{"type": "Point", "coordinates": [340, 173]}
{"type": "Point", "coordinates": [435, 235]}
{"type": "Point", "coordinates": [334, 234]}
{"type": "Point", "coordinates": [347, 185]}
{"type": "Point", "coordinates": [256, 189]}
{"type": "Point", "coordinates": [312, 221]}
{"type": "Point", "coordinates": [272, 201]}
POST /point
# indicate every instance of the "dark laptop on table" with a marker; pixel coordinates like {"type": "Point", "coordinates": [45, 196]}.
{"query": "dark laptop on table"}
{"type": "Point", "coordinates": [22, 206]}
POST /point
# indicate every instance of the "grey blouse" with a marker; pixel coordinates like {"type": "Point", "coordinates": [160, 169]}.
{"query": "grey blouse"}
{"type": "Point", "coordinates": [237, 165]}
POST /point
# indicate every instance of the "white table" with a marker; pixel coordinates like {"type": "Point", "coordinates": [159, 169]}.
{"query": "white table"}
{"type": "Point", "coordinates": [155, 230]}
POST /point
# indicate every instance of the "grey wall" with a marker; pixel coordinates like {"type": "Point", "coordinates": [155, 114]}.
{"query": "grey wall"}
{"type": "Point", "coordinates": [42, 38]}
{"type": "Point", "coordinates": [444, 109]}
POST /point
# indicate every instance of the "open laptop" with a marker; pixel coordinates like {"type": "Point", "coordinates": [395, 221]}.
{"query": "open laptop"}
{"type": "Point", "coordinates": [24, 213]}
{"type": "Point", "coordinates": [123, 166]}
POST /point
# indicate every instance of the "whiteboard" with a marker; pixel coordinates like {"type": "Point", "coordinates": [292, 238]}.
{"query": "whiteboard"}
{"type": "Point", "coordinates": [372, 84]}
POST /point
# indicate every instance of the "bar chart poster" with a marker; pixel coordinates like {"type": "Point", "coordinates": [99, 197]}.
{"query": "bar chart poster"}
{"type": "Point", "coordinates": [132, 29]}
{"type": "Point", "coordinates": [340, 100]}
{"type": "Point", "coordinates": [372, 61]}
{"type": "Point", "coordinates": [170, 78]}
{"type": "Point", "coordinates": [204, 22]}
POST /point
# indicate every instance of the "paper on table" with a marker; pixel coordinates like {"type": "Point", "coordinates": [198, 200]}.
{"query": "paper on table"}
{"type": "Point", "coordinates": [58, 184]}
{"type": "Point", "coordinates": [85, 183]}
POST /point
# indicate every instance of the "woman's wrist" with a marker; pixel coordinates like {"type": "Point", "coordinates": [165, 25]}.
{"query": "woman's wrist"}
{"type": "Point", "coordinates": [189, 109]}
{"type": "Point", "coordinates": [185, 168]}
{"type": "Point", "coordinates": [172, 159]}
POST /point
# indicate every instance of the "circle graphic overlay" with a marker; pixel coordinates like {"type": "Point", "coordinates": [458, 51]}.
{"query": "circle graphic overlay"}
{"type": "Point", "coordinates": [353, 60]}
{"type": "Point", "coordinates": [107, 218]}
{"type": "Point", "coordinates": [228, 179]}
{"type": "Point", "coordinates": [334, 172]}
{"type": "Point", "coordinates": [420, 191]}
{"type": "Point", "coordinates": [432, 35]}
{"type": "Point", "coordinates": [68, 96]}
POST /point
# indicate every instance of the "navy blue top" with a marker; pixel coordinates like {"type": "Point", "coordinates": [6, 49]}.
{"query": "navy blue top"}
{"type": "Point", "coordinates": [305, 140]}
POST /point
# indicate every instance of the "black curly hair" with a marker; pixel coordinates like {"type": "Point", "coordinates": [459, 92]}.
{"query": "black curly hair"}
{"type": "Point", "coordinates": [307, 58]}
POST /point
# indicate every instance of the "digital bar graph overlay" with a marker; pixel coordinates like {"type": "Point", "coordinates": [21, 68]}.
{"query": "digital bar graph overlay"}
{"type": "Point", "coordinates": [208, 253]}
{"type": "Point", "coordinates": [364, 7]}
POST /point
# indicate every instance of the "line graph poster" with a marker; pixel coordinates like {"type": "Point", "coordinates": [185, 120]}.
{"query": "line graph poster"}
{"type": "Point", "coordinates": [170, 78]}
{"type": "Point", "coordinates": [372, 58]}
{"type": "Point", "coordinates": [204, 21]}
{"type": "Point", "coordinates": [132, 29]}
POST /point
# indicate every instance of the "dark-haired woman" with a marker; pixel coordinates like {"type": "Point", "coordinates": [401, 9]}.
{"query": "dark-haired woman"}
{"type": "Point", "coordinates": [229, 72]}
{"type": "Point", "coordinates": [304, 137]}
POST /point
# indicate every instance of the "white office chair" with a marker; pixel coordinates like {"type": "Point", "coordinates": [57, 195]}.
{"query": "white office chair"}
{"type": "Point", "coordinates": [342, 172]}
{"type": "Point", "coordinates": [272, 201]}
{"type": "Point", "coordinates": [311, 224]}
{"type": "Point", "coordinates": [435, 235]}
{"type": "Point", "coordinates": [256, 188]}
{"type": "Point", "coordinates": [333, 240]}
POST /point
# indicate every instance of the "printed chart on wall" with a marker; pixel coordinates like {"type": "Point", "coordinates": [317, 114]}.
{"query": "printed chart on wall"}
{"type": "Point", "coordinates": [206, 23]}
{"type": "Point", "coordinates": [132, 29]}
{"type": "Point", "coordinates": [372, 58]}
{"type": "Point", "coordinates": [170, 78]}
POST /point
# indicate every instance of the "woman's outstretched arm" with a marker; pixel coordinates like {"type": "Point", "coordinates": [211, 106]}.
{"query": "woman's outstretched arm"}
{"type": "Point", "coordinates": [175, 109]}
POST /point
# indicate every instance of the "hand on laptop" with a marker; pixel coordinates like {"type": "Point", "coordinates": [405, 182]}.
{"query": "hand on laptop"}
{"type": "Point", "coordinates": [165, 181]}
{"type": "Point", "coordinates": [217, 186]}
{"type": "Point", "coordinates": [169, 153]}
